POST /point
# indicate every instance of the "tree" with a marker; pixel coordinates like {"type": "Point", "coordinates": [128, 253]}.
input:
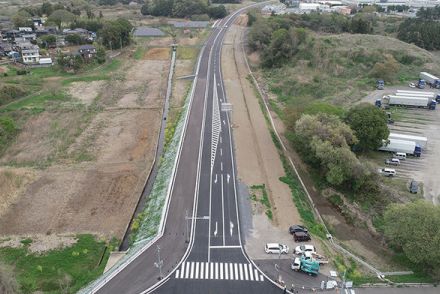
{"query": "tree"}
{"type": "Point", "coordinates": [369, 124]}
{"type": "Point", "coordinates": [145, 9]}
{"type": "Point", "coordinates": [22, 19]}
{"type": "Point", "coordinates": [108, 2]}
{"type": "Point", "coordinates": [100, 55]}
{"type": "Point", "coordinates": [46, 8]}
{"type": "Point", "coordinates": [74, 39]}
{"type": "Point", "coordinates": [162, 7]}
{"type": "Point", "coordinates": [217, 11]}
{"type": "Point", "coordinates": [325, 141]}
{"type": "Point", "coordinates": [386, 69]}
{"type": "Point", "coordinates": [116, 33]}
{"type": "Point", "coordinates": [61, 16]}
{"type": "Point", "coordinates": [414, 229]}
{"type": "Point", "coordinates": [187, 8]}
{"type": "Point", "coordinates": [48, 40]}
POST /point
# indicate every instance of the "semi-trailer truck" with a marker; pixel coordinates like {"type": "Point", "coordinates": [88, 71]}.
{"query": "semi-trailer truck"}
{"type": "Point", "coordinates": [402, 146]}
{"type": "Point", "coordinates": [421, 141]}
{"type": "Point", "coordinates": [431, 95]}
{"type": "Point", "coordinates": [430, 79]}
{"type": "Point", "coordinates": [407, 101]}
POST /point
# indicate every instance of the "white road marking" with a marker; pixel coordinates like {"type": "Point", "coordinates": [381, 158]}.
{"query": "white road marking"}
{"type": "Point", "coordinates": [261, 278]}
{"type": "Point", "coordinates": [220, 140]}
{"type": "Point", "coordinates": [197, 271]}
{"type": "Point", "coordinates": [221, 270]}
{"type": "Point", "coordinates": [177, 274]}
{"type": "Point", "coordinates": [212, 271]}
{"type": "Point", "coordinates": [225, 247]}
{"type": "Point", "coordinates": [224, 122]}
{"type": "Point", "coordinates": [216, 271]}
{"type": "Point", "coordinates": [221, 166]}
{"type": "Point", "coordinates": [236, 271]}
{"type": "Point", "coordinates": [191, 276]}
{"type": "Point", "coordinates": [231, 272]}
{"type": "Point", "coordinates": [221, 151]}
{"type": "Point", "coordinates": [240, 266]}
{"type": "Point", "coordinates": [226, 271]}
{"type": "Point", "coordinates": [256, 274]}
{"type": "Point", "coordinates": [246, 277]}
{"type": "Point", "coordinates": [223, 212]}
{"type": "Point", "coordinates": [231, 227]}
{"type": "Point", "coordinates": [215, 180]}
{"type": "Point", "coordinates": [206, 270]}
{"type": "Point", "coordinates": [216, 227]}
{"type": "Point", "coordinates": [187, 270]}
{"type": "Point", "coordinates": [202, 267]}
{"type": "Point", "coordinates": [227, 178]}
{"type": "Point", "coordinates": [182, 271]}
{"type": "Point", "coordinates": [251, 274]}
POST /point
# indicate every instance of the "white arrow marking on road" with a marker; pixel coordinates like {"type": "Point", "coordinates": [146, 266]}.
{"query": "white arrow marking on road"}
{"type": "Point", "coordinates": [215, 181]}
{"type": "Point", "coordinates": [231, 227]}
{"type": "Point", "coordinates": [227, 178]}
{"type": "Point", "coordinates": [224, 122]}
{"type": "Point", "coordinates": [220, 140]}
{"type": "Point", "coordinates": [215, 232]}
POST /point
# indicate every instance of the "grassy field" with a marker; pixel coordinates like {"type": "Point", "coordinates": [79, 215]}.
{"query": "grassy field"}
{"type": "Point", "coordinates": [69, 268]}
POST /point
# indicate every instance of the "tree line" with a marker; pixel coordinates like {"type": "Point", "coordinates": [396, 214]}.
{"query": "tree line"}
{"type": "Point", "coordinates": [424, 30]}
{"type": "Point", "coordinates": [279, 37]}
{"type": "Point", "coordinates": [182, 8]}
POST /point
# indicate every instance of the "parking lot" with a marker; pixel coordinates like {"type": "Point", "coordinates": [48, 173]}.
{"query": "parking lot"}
{"type": "Point", "coordinates": [417, 122]}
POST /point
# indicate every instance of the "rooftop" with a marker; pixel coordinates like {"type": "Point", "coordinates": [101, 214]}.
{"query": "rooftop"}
{"type": "Point", "coordinates": [148, 32]}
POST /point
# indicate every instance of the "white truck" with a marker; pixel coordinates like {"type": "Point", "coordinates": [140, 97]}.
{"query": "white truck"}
{"type": "Point", "coordinates": [422, 141]}
{"type": "Point", "coordinates": [432, 80]}
{"type": "Point", "coordinates": [410, 101]}
{"type": "Point", "coordinates": [403, 146]}
{"type": "Point", "coordinates": [398, 92]}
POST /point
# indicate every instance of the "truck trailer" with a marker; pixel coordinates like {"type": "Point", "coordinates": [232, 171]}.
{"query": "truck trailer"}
{"type": "Point", "coordinates": [421, 141]}
{"type": "Point", "coordinates": [430, 79]}
{"type": "Point", "coordinates": [403, 146]}
{"type": "Point", "coordinates": [309, 266]}
{"type": "Point", "coordinates": [424, 102]}
{"type": "Point", "coordinates": [415, 92]}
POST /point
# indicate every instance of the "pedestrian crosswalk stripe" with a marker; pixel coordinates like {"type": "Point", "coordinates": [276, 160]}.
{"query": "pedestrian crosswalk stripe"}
{"type": "Point", "coordinates": [218, 271]}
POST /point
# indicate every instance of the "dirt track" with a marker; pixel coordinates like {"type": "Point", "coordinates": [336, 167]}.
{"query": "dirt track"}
{"type": "Point", "coordinates": [258, 161]}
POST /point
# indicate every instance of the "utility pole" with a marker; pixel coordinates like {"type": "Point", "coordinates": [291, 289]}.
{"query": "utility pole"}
{"type": "Point", "coordinates": [159, 263]}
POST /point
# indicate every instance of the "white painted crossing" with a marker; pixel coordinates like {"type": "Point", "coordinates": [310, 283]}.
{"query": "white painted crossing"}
{"type": "Point", "coordinates": [218, 271]}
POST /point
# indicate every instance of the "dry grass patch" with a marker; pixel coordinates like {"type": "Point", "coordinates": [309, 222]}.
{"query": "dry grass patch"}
{"type": "Point", "coordinates": [158, 54]}
{"type": "Point", "coordinates": [86, 92]}
{"type": "Point", "coordinates": [12, 183]}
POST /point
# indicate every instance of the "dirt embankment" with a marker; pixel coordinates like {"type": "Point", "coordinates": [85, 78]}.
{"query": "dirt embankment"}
{"type": "Point", "coordinates": [257, 158]}
{"type": "Point", "coordinates": [94, 161]}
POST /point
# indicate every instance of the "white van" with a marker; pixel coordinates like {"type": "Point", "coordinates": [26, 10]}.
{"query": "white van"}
{"type": "Point", "coordinates": [276, 248]}
{"type": "Point", "coordinates": [388, 172]}
{"type": "Point", "coordinates": [400, 155]}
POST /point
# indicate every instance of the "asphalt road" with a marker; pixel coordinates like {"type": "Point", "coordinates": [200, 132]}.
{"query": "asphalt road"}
{"type": "Point", "coordinates": [205, 180]}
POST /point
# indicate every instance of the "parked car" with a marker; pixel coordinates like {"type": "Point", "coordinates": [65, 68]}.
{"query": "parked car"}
{"type": "Point", "coordinates": [297, 228]}
{"type": "Point", "coordinates": [276, 248]}
{"type": "Point", "coordinates": [301, 236]}
{"type": "Point", "coordinates": [304, 248]}
{"type": "Point", "coordinates": [413, 187]}
{"type": "Point", "coordinates": [392, 161]}
{"type": "Point", "coordinates": [400, 155]}
{"type": "Point", "coordinates": [388, 172]}
{"type": "Point", "coordinates": [296, 264]}
{"type": "Point", "coordinates": [412, 85]}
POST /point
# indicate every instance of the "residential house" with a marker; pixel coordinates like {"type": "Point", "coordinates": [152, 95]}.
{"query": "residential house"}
{"type": "Point", "coordinates": [29, 37]}
{"type": "Point", "coordinates": [46, 61]}
{"type": "Point", "coordinates": [87, 51]}
{"type": "Point", "coordinates": [25, 29]}
{"type": "Point", "coordinates": [31, 55]}
{"type": "Point", "coordinates": [37, 21]}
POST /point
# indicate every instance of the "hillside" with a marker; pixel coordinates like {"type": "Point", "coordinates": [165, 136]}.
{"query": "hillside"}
{"type": "Point", "coordinates": [341, 69]}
